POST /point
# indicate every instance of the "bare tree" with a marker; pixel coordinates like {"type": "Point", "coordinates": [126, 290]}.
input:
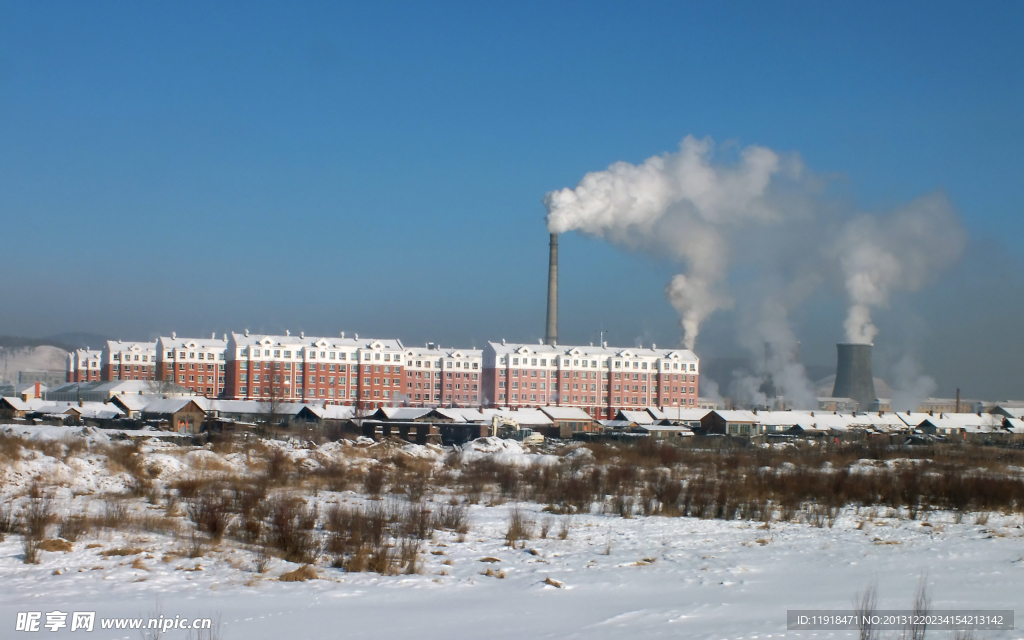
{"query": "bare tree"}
{"type": "Point", "coordinates": [273, 398]}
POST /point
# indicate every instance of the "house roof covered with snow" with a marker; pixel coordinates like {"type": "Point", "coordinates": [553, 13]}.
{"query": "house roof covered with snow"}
{"type": "Point", "coordinates": [566, 413]}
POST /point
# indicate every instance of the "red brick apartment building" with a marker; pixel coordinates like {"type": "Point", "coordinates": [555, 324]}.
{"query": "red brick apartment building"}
{"type": "Point", "coordinates": [84, 365]}
{"type": "Point", "coordinates": [128, 361]}
{"type": "Point", "coordinates": [198, 364]}
{"type": "Point", "coordinates": [364, 373]}
{"type": "Point", "coordinates": [442, 377]}
{"type": "Point", "coordinates": [600, 380]}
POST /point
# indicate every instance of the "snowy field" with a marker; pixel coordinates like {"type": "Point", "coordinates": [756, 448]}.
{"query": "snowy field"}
{"type": "Point", "coordinates": [611, 577]}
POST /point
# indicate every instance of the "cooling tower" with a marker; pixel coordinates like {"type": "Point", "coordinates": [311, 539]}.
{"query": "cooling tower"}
{"type": "Point", "coordinates": [551, 333]}
{"type": "Point", "coordinates": [853, 374]}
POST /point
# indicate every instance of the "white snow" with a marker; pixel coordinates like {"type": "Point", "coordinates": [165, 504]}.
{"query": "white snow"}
{"type": "Point", "coordinates": [651, 577]}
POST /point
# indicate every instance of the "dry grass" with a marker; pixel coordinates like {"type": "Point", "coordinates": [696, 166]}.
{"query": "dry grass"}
{"type": "Point", "coordinates": [520, 528]}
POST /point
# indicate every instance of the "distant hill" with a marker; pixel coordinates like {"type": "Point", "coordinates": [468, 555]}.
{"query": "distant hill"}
{"type": "Point", "coordinates": [77, 340]}
{"type": "Point", "coordinates": [65, 341]}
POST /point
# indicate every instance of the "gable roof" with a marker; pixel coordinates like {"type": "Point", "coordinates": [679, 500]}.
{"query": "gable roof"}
{"type": "Point", "coordinates": [635, 417]}
{"type": "Point", "coordinates": [566, 413]}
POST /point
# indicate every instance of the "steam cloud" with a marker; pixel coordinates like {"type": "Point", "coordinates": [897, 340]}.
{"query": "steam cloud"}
{"type": "Point", "coordinates": [765, 211]}
{"type": "Point", "coordinates": [681, 204]}
{"type": "Point", "coordinates": [879, 256]}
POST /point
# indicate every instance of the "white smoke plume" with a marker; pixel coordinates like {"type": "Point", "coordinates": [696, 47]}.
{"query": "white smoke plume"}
{"type": "Point", "coordinates": [778, 379]}
{"type": "Point", "coordinates": [901, 252]}
{"type": "Point", "coordinates": [682, 204]}
{"type": "Point", "coordinates": [761, 219]}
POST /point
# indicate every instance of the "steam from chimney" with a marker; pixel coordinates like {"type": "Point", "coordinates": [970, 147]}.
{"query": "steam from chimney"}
{"type": "Point", "coordinates": [902, 252]}
{"type": "Point", "coordinates": [680, 204]}
{"type": "Point", "coordinates": [763, 217]}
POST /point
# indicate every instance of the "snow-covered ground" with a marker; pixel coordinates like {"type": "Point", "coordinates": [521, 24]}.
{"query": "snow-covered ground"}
{"type": "Point", "coordinates": [639, 577]}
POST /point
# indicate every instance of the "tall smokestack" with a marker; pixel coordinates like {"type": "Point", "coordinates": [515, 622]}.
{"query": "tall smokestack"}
{"type": "Point", "coordinates": [853, 374]}
{"type": "Point", "coordinates": [551, 334]}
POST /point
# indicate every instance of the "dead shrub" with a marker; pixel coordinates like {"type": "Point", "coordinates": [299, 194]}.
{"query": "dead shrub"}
{"type": "Point", "coordinates": [375, 481]}
{"type": "Point", "coordinates": [30, 549]}
{"type": "Point", "coordinates": [564, 527]}
{"type": "Point", "coordinates": [291, 530]}
{"type": "Point", "coordinates": [210, 511]}
{"type": "Point", "coordinates": [409, 555]}
{"type": "Point", "coordinates": [279, 467]}
{"type": "Point", "coordinates": [261, 558]}
{"type": "Point", "coordinates": [520, 527]}
{"type": "Point", "coordinates": [452, 517]}
{"type": "Point", "coordinates": [37, 514]}
{"type": "Point", "coordinates": [336, 476]}
{"type": "Point", "coordinates": [416, 521]}
{"type": "Point", "coordinates": [72, 527]}
{"type": "Point", "coordinates": [7, 521]}
{"type": "Point", "coordinates": [381, 560]}
{"type": "Point", "coordinates": [115, 514]}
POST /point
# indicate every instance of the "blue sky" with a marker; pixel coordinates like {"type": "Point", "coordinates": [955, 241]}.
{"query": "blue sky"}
{"type": "Point", "coordinates": [379, 167]}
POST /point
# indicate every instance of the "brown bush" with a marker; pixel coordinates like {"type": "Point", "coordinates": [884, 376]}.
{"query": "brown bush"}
{"type": "Point", "coordinates": [520, 527]}
{"type": "Point", "coordinates": [291, 530]}
{"type": "Point", "coordinates": [210, 511]}
{"type": "Point", "coordinates": [72, 527]}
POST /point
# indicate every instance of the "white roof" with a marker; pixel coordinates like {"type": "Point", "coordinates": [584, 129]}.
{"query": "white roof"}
{"type": "Point", "coordinates": [250, 407]}
{"type": "Point", "coordinates": [403, 414]}
{"type": "Point", "coordinates": [443, 352]}
{"type": "Point", "coordinates": [137, 402]}
{"type": "Point", "coordinates": [566, 413]}
{"type": "Point", "coordinates": [172, 405]}
{"type": "Point", "coordinates": [319, 342]}
{"type": "Point", "coordinates": [666, 427]}
{"type": "Point", "coordinates": [678, 413]}
{"type": "Point", "coordinates": [1015, 411]}
{"type": "Point", "coordinates": [737, 415]}
{"type": "Point", "coordinates": [637, 417]}
{"type": "Point", "coordinates": [1015, 425]}
{"type": "Point", "coordinates": [521, 348]}
{"type": "Point", "coordinates": [525, 416]}
{"type": "Point", "coordinates": [115, 346]}
{"type": "Point", "coordinates": [332, 411]}
{"type": "Point", "coordinates": [192, 343]}
{"type": "Point", "coordinates": [462, 414]}
{"type": "Point", "coordinates": [966, 421]}
{"type": "Point", "coordinates": [21, 405]}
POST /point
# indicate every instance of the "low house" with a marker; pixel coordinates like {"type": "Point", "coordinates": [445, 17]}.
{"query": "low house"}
{"type": "Point", "coordinates": [664, 431]}
{"type": "Point", "coordinates": [131, 405]}
{"type": "Point", "coordinates": [182, 415]}
{"type": "Point", "coordinates": [16, 408]}
{"type": "Point", "coordinates": [681, 416]}
{"type": "Point", "coordinates": [731, 423]}
{"type": "Point", "coordinates": [634, 417]}
{"type": "Point", "coordinates": [570, 420]}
